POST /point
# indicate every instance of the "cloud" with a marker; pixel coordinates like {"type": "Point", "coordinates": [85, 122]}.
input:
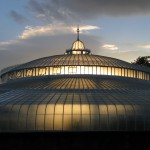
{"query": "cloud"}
{"type": "Point", "coordinates": [110, 47]}
{"type": "Point", "coordinates": [79, 10]}
{"type": "Point", "coordinates": [41, 41]}
{"type": "Point", "coordinates": [5, 44]}
{"type": "Point", "coordinates": [85, 28]}
{"type": "Point", "coordinates": [52, 29]}
{"type": "Point", "coordinates": [17, 17]}
{"type": "Point", "coordinates": [146, 46]}
{"type": "Point", "coordinates": [25, 50]}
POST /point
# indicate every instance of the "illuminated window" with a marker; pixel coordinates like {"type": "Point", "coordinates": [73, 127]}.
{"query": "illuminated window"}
{"type": "Point", "coordinates": [126, 72]}
{"type": "Point", "coordinates": [29, 72]}
{"type": "Point", "coordinates": [86, 70]}
{"type": "Point", "coordinates": [109, 70]}
{"type": "Point", "coordinates": [56, 70]}
{"type": "Point", "coordinates": [82, 70]}
{"type": "Point", "coordinates": [113, 71]}
{"type": "Point", "coordinates": [119, 71]}
{"type": "Point", "coordinates": [76, 52]}
{"type": "Point", "coordinates": [123, 72]}
{"type": "Point", "coordinates": [98, 70]}
{"type": "Point", "coordinates": [72, 69]}
{"type": "Point", "coordinates": [116, 71]}
{"type": "Point", "coordinates": [90, 70]}
{"type": "Point", "coordinates": [94, 70]}
{"type": "Point", "coordinates": [19, 74]}
{"type": "Point", "coordinates": [42, 71]}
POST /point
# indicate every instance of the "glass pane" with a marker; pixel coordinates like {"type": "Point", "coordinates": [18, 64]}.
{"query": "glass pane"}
{"type": "Point", "coordinates": [40, 122]}
{"type": "Point", "coordinates": [62, 70]}
{"type": "Point", "coordinates": [22, 121]}
{"type": "Point", "coordinates": [113, 71]}
{"type": "Point", "coordinates": [66, 69]}
{"type": "Point", "coordinates": [50, 109]}
{"type": "Point", "coordinates": [94, 70]}
{"type": "Point", "coordinates": [94, 109]}
{"type": "Point", "coordinates": [85, 109]}
{"type": "Point", "coordinates": [49, 121]}
{"type": "Point", "coordinates": [86, 70]}
{"type": "Point", "coordinates": [58, 122]}
{"type": "Point", "coordinates": [68, 109]}
{"type": "Point", "coordinates": [31, 122]}
{"type": "Point", "coordinates": [119, 71]}
{"type": "Point", "coordinates": [32, 109]}
{"type": "Point", "coordinates": [105, 70]}
{"type": "Point", "coordinates": [103, 109]}
{"type": "Point", "coordinates": [67, 123]}
{"type": "Point", "coordinates": [51, 70]}
{"type": "Point", "coordinates": [76, 109]}
{"type": "Point", "coordinates": [103, 122]}
{"type": "Point", "coordinates": [111, 110]}
{"type": "Point", "coordinates": [95, 122]}
{"type": "Point", "coordinates": [98, 70]}
{"type": "Point", "coordinates": [16, 108]}
{"type": "Point", "coordinates": [90, 70]}
{"type": "Point", "coordinates": [85, 122]}
{"type": "Point", "coordinates": [29, 72]}
{"type": "Point", "coordinates": [78, 70]}
{"type": "Point", "coordinates": [13, 124]}
{"type": "Point", "coordinates": [109, 70]}
{"type": "Point", "coordinates": [122, 122]}
{"type": "Point", "coordinates": [24, 109]}
{"type": "Point", "coordinates": [82, 70]}
{"type": "Point", "coordinates": [41, 109]}
{"type": "Point", "coordinates": [126, 72]}
{"type": "Point", "coordinates": [58, 109]}
{"type": "Point", "coordinates": [120, 109]}
{"type": "Point", "coordinates": [76, 122]}
{"type": "Point", "coordinates": [123, 74]}
{"type": "Point", "coordinates": [116, 72]}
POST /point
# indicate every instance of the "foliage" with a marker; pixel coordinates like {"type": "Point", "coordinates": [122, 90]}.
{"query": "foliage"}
{"type": "Point", "coordinates": [143, 61]}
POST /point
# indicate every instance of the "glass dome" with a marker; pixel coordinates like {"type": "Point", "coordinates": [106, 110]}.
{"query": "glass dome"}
{"type": "Point", "coordinates": [78, 45]}
{"type": "Point", "coordinates": [83, 92]}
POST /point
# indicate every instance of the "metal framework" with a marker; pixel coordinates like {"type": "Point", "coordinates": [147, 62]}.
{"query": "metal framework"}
{"type": "Point", "coordinates": [76, 64]}
{"type": "Point", "coordinates": [76, 103]}
{"type": "Point", "coordinates": [77, 91]}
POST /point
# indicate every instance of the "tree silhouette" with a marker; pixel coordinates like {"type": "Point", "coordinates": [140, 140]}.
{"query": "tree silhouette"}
{"type": "Point", "coordinates": [143, 61]}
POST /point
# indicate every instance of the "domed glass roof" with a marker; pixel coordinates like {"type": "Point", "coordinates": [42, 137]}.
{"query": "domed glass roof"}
{"type": "Point", "coordinates": [77, 91]}
{"type": "Point", "coordinates": [78, 45]}
{"type": "Point", "coordinates": [78, 103]}
{"type": "Point", "coordinates": [85, 60]}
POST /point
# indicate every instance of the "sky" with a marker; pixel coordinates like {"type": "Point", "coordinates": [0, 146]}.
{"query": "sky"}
{"type": "Point", "coordinates": [31, 29]}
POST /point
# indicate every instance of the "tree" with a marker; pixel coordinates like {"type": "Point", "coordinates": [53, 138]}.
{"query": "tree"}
{"type": "Point", "coordinates": [143, 61]}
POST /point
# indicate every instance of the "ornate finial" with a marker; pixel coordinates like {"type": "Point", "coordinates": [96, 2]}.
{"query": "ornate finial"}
{"type": "Point", "coordinates": [78, 31]}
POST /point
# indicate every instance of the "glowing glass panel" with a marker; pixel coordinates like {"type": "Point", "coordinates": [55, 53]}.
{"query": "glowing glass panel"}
{"type": "Point", "coordinates": [56, 70]}
{"type": "Point", "coordinates": [78, 45]}
{"type": "Point", "coordinates": [67, 122]}
{"type": "Point", "coordinates": [94, 70]}
{"type": "Point", "coordinates": [109, 70]}
{"type": "Point", "coordinates": [40, 122]}
{"type": "Point", "coordinates": [49, 122]}
{"type": "Point", "coordinates": [86, 70]}
{"type": "Point", "coordinates": [90, 70]}
{"type": "Point", "coordinates": [19, 74]}
{"type": "Point", "coordinates": [76, 70]}
{"type": "Point", "coordinates": [29, 72]}
{"type": "Point", "coordinates": [58, 122]}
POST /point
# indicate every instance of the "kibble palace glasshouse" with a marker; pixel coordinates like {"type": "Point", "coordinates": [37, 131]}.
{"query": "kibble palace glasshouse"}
{"type": "Point", "coordinates": [75, 91]}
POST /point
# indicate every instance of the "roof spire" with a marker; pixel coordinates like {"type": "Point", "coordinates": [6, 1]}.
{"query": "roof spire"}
{"type": "Point", "coordinates": [78, 31]}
